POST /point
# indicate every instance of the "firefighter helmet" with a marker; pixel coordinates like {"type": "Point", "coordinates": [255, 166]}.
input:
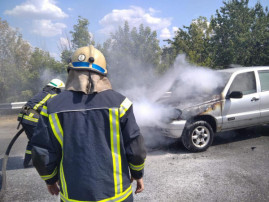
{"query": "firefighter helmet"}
{"type": "Point", "coordinates": [88, 58]}
{"type": "Point", "coordinates": [56, 83]}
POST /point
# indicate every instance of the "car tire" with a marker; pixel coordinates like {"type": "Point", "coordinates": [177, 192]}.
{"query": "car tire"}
{"type": "Point", "coordinates": [198, 136]}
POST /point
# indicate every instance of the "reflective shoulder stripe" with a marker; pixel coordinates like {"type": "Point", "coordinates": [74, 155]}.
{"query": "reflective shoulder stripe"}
{"type": "Point", "coordinates": [56, 127]}
{"type": "Point", "coordinates": [137, 167]}
{"type": "Point", "coordinates": [28, 152]}
{"type": "Point", "coordinates": [42, 102]}
{"type": "Point", "coordinates": [47, 177]}
{"type": "Point", "coordinates": [30, 118]}
{"type": "Point", "coordinates": [117, 198]}
{"type": "Point", "coordinates": [125, 105]}
{"type": "Point", "coordinates": [44, 111]}
{"type": "Point", "coordinates": [53, 95]}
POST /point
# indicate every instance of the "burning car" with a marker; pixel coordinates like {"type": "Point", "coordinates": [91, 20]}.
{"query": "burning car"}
{"type": "Point", "coordinates": [242, 101]}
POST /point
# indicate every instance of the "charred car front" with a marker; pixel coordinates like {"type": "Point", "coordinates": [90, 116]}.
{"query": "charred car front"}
{"type": "Point", "coordinates": [242, 102]}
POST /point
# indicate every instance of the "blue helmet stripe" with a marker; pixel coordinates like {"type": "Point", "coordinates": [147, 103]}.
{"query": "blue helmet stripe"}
{"type": "Point", "coordinates": [97, 67]}
{"type": "Point", "coordinates": [81, 64]}
{"type": "Point", "coordinates": [87, 64]}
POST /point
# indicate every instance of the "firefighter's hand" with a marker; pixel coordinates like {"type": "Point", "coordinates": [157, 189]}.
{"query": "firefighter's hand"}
{"type": "Point", "coordinates": [139, 185]}
{"type": "Point", "coordinates": [53, 189]}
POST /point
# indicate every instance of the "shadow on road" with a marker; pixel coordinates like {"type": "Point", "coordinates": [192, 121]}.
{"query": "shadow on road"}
{"type": "Point", "coordinates": [159, 144]}
{"type": "Point", "coordinates": [240, 135]}
{"type": "Point", "coordinates": [14, 163]}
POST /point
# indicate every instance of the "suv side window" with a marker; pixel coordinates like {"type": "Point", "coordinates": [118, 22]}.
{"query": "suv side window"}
{"type": "Point", "coordinates": [264, 78]}
{"type": "Point", "coordinates": [244, 82]}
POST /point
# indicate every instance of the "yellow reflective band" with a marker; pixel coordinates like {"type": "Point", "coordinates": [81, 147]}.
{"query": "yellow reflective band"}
{"type": "Point", "coordinates": [29, 118]}
{"type": "Point", "coordinates": [42, 102]}
{"type": "Point", "coordinates": [136, 167]}
{"type": "Point", "coordinates": [117, 198]}
{"type": "Point", "coordinates": [56, 127]}
{"type": "Point", "coordinates": [28, 152]}
{"type": "Point", "coordinates": [62, 177]}
{"type": "Point", "coordinates": [31, 114]}
{"type": "Point", "coordinates": [125, 105]}
{"type": "Point", "coordinates": [53, 95]}
{"type": "Point", "coordinates": [112, 149]}
{"type": "Point", "coordinates": [47, 177]}
{"type": "Point", "coordinates": [118, 148]}
{"type": "Point", "coordinates": [115, 149]}
{"type": "Point", "coordinates": [44, 111]}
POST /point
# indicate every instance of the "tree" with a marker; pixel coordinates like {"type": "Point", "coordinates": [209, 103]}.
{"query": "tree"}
{"type": "Point", "coordinates": [240, 34]}
{"type": "Point", "coordinates": [236, 34]}
{"type": "Point", "coordinates": [14, 56]}
{"type": "Point", "coordinates": [22, 67]}
{"type": "Point", "coordinates": [194, 41]}
{"type": "Point", "coordinates": [131, 55]}
{"type": "Point", "coordinates": [81, 36]}
{"type": "Point", "coordinates": [259, 37]}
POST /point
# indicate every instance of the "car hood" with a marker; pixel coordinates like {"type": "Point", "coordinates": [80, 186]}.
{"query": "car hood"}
{"type": "Point", "coordinates": [191, 106]}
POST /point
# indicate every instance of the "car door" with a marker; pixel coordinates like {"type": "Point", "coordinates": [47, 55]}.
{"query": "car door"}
{"type": "Point", "coordinates": [264, 95]}
{"type": "Point", "coordinates": [242, 112]}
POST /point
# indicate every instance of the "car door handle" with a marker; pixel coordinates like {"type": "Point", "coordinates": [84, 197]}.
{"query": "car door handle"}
{"type": "Point", "coordinates": [254, 99]}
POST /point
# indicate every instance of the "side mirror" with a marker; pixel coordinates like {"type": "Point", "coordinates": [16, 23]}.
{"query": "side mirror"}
{"type": "Point", "coordinates": [235, 95]}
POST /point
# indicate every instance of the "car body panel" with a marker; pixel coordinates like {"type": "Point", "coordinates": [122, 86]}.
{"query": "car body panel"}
{"type": "Point", "coordinates": [229, 113]}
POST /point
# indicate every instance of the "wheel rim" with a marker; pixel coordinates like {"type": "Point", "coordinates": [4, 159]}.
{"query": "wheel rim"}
{"type": "Point", "coordinates": [200, 136]}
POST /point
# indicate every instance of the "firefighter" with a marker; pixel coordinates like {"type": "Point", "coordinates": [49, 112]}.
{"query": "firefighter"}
{"type": "Point", "coordinates": [29, 114]}
{"type": "Point", "coordinates": [88, 138]}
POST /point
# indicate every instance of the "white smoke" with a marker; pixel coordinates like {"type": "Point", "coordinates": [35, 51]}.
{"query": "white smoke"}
{"type": "Point", "coordinates": [153, 102]}
{"type": "Point", "coordinates": [47, 75]}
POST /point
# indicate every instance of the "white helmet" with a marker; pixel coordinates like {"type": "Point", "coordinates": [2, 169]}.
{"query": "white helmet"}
{"type": "Point", "coordinates": [56, 83]}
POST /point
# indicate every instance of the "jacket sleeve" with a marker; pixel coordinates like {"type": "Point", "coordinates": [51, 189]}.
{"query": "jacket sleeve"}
{"type": "Point", "coordinates": [133, 140]}
{"type": "Point", "coordinates": [46, 152]}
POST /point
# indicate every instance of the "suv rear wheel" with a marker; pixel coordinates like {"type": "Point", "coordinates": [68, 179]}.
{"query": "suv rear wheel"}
{"type": "Point", "coordinates": [198, 136]}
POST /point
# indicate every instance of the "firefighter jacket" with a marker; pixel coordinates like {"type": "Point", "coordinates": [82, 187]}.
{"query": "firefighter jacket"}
{"type": "Point", "coordinates": [90, 143]}
{"type": "Point", "coordinates": [30, 112]}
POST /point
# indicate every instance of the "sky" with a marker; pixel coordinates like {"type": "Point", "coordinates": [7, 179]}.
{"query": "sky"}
{"type": "Point", "coordinates": [46, 23]}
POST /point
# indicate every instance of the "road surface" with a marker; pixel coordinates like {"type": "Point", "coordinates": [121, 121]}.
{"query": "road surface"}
{"type": "Point", "coordinates": [234, 168]}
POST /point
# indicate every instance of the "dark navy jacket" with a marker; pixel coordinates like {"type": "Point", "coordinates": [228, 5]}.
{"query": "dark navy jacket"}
{"type": "Point", "coordinates": [35, 105]}
{"type": "Point", "coordinates": [90, 143]}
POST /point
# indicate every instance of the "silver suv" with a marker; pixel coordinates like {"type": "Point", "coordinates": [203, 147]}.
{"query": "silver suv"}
{"type": "Point", "coordinates": [241, 103]}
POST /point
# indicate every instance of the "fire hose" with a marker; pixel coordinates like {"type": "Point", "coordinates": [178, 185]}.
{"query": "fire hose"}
{"type": "Point", "coordinates": [4, 163]}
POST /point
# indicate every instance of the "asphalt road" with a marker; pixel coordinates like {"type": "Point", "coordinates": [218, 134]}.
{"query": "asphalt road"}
{"type": "Point", "coordinates": [234, 168]}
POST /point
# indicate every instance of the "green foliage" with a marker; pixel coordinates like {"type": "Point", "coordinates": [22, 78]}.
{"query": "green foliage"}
{"type": "Point", "coordinates": [66, 56]}
{"type": "Point", "coordinates": [81, 36]}
{"type": "Point", "coordinates": [232, 28]}
{"type": "Point", "coordinates": [236, 34]}
{"type": "Point", "coordinates": [132, 52]}
{"type": "Point", "coordinates": [14, 56]}
{"type": "Point", "coordinates": [194, 42]}
{"type": "Point", "coordinates": [21, 67]}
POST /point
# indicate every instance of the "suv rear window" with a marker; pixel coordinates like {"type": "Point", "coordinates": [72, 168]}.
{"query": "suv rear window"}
{"type": "Point", "coordinates": [264, 78]}
{"type": "Point", "coordinates": [244, 82]}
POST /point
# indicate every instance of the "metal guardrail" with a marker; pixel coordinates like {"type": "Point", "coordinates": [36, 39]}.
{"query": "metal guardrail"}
{"type": "Point", "coordinates": [13, 105]}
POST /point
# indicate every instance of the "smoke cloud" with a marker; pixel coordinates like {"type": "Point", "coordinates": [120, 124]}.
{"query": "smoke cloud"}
{"type": "Point", "coordinates": [155, 97]}
{"type": "Point", "coordinates": [47, 75]}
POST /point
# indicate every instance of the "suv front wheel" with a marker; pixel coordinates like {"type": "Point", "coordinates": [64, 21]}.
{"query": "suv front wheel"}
{"type": "Point", "coordinates": [198, 136]}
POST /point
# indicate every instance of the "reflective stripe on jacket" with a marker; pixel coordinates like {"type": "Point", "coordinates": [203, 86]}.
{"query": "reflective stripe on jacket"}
{"type": "Point", "coordinates": [93, 142]}
{"type": "Point", "coordinates": [35, 105]}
